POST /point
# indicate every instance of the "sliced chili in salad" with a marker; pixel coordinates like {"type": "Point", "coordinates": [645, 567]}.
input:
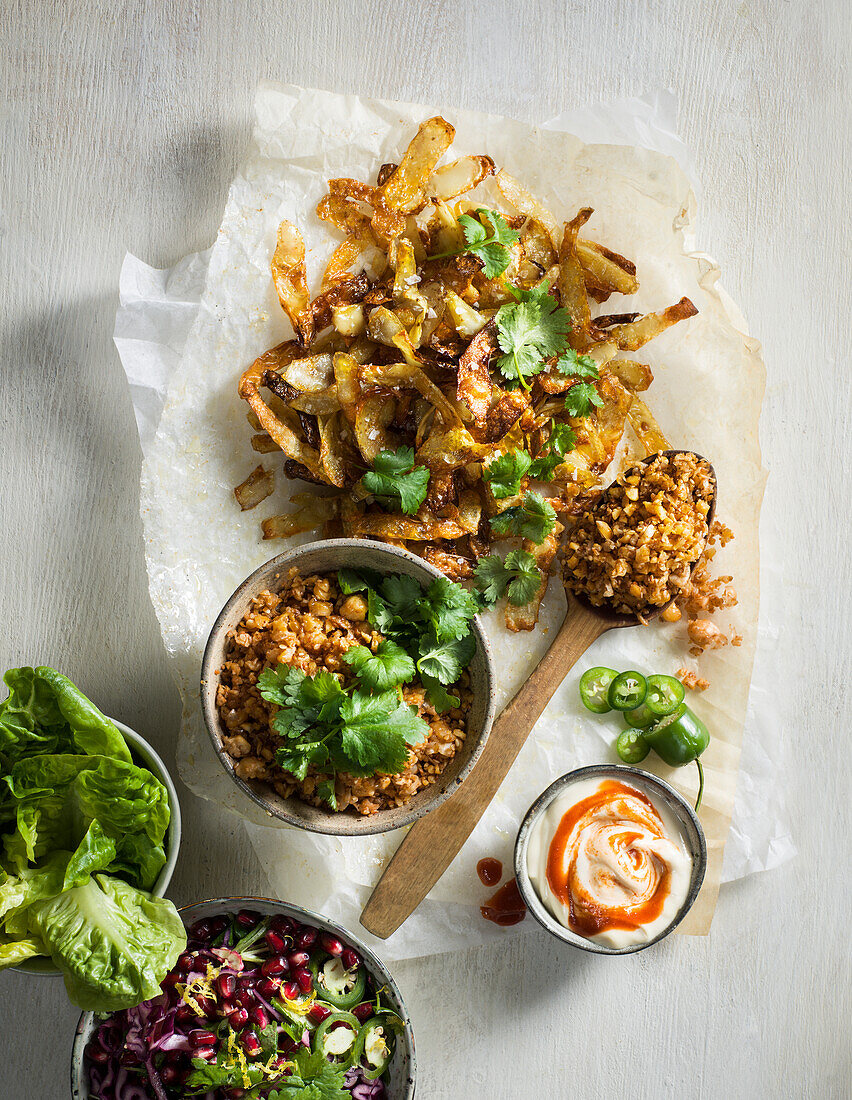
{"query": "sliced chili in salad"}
{"type": "Point", "coordinates": [256, 1007]}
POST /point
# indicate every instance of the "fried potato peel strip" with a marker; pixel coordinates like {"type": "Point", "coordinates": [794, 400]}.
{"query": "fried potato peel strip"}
{"type": "Point", "coordinates": [399, 348]}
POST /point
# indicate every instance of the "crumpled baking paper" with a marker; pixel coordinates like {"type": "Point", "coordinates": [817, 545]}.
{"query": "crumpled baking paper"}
{"type": "Point", "coordinates": [185, 335]}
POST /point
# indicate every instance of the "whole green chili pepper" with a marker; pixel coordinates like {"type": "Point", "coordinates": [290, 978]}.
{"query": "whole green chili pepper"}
{"type": "Point", "coordinates": [679, 739]}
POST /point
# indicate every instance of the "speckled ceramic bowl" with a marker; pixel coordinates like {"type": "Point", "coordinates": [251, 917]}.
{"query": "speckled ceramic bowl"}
{"type": "Point", "coordinates": [325, 557]}
{"type": "Point", "coordinates": [403, 1067]}
{"type": "Point", "coordinates": [692, 832]}
{"type": "Point", "coordinates": [147, 757]}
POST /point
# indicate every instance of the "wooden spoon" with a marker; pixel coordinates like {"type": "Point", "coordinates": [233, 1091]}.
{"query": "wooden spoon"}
{"type": "Point", "coordinates": [434, 841]}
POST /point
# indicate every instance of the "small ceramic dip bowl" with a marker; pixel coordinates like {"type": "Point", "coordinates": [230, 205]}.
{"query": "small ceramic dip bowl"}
{"type": "Point", "coordinates": [145, 756]}
{"type": "Point", "coordinates": [665, 824]}
{"type": "Point", "coordinates": [403, 1064]}
{"type": "Point", "coordinates": [327, 557]}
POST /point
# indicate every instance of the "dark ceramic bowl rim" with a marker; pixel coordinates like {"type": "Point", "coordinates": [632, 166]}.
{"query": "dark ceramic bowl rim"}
{"type": "Point", "coordinates": [305, 916]}
{"type": "Point", "coordinates": [331, 823]}
{"type": "Point", "coordinates": [693, 835]}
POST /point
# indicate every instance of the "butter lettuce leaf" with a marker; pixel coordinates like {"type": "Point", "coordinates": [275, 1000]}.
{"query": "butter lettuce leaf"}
{"type": "Point", "coordinates": [112, 942]}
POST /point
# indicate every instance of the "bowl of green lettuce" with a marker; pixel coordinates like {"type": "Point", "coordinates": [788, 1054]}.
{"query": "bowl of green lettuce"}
{"type": "Point", "coordinates": [89, 837]}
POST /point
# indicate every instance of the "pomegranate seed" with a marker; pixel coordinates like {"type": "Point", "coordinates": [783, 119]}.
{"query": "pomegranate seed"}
{"type": "Point", "coordinates": [97, 1054]}
{"type": "Point", "coordinates": [268, 987]}
{"type": "Point", "coordinates": [363, 1011]}
{"type": "Point", "coordinates": [170, 981]}
{"type": "Point", "coordinates": [259, 1018]}
{"type": "Point", "coordinates": [275, 942]}
{"type": "Point", "coordinates": [206, 1054]}
{"type": "Point", "coordinates": [207, 1005]}
{"type": "Point", "coordinates": [245, 999]}
{"type": "Point", "coordinates": [226, 1008]}
{"type": "Point", "coordinates": [245, 981]}
{"type": "Point", "coordinates": [331, 944]}
{"type": "Point", "coordinates": [201, 931]}
{"type": "Point", "coordinates": [306, 938]}
{"type": "Point", "coordinates": [185, 1013]}
{"type": "Point", "coordinates": [169, 1075]}
{"type": "Point", "coordinates": [298, 958]}
{"type": "Point", "coordinates": [304, 979]}
{"type": "Point", "coordinates": [201, 1038]}
{"type": "Point", "coordinates": [247, 918]}
{"type": "Point", "coordinates": [226, 986]}
{"type": "Point", "coordinates": [184, 963]}
{"type": "Point", "coordinates": [350, 958]}
{"type": "Point", "coordinates": [275, 966]}
{"type": "Point", "coordinates": [290, 991]}
{"type": "Point", "coordinates": [283, 925]}
{"type": "Point", "coordinates": [235, 1093]}
{"type": "Point", "coordinates": [218, 924]}
{"type": "Point", "coordinates": [318, 1012]}
{"type": "Point", "coordinates": [238, 1019]}
{"type": "Point", "coordinates": [251, 1044]}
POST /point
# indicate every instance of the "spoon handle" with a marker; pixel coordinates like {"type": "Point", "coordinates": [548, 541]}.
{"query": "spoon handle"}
{"type": "Point", "coordinates": [434, 841]}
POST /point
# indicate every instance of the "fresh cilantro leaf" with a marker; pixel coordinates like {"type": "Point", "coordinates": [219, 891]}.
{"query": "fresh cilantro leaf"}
{"type": "Point", "coordinates": [312, 1077]}
{"type": "Point", "coordinates": [530, 331]}
{"type": "Point", "coordinates": [517, 576]}
{"type": "Point", "coordinates": [377, 730]}
{"type": "Point", "coordinates": [395, 482]}
{"type": "Point", "coordinates": [388, 667]}
{"type": "Point", "coordinates": [582, 366]}
{"type": "Point", "coordinates": [350, 580]}
{"type": "Point", "coordinates": [438, 695]}
{"type": "Point", "coordinates": [580, 398]}
{"type": "Point", "coordinates": [224, 1073]}
{"type": "Point", "coordinates": [320, 690]}
{"type": "Point", "coordinates": [492, 248]}
{"type": "Point", "coordinates": [280, 685]}
{"type": "Point", "coordinates": [533, 519]}
{"type": "Point", "coordinates": [298, 758]}
{"type": "Point", "coordinates": [449, 608]}
{"type": "Point", "coordinates": [325, 791]}
{"type": "Point", "coordinates": [560, 441]}
{"type": "Point", "coordinates": [446, 660]}
{"type": "Point", "coordinates": [505, 472]}
{"type": "Point", "coordinates": [402, 595]}
{"type": "Point", "coordinates": [378, 612]}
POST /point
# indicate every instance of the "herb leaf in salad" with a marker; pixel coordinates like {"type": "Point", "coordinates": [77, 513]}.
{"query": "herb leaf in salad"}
{"type": "Point", "coordinates": [82, 832]}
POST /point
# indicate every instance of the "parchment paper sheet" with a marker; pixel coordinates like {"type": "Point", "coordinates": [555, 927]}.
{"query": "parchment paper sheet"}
{"type": "Point", "coordinates": [185, 335]}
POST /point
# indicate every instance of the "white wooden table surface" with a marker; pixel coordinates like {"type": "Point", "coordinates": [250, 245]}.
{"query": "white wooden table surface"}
{"type": "Point", "coordinates": [122, 124]}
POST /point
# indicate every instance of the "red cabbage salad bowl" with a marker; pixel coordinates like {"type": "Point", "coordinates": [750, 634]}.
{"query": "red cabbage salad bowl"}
{"type": "Point", "coordinates": [268, 1002]}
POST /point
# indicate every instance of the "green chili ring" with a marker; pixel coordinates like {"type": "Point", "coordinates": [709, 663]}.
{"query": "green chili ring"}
{"type": "Point", "coordinates": [631, 746]}
{"type": "Point", "coordinates": [373, 1070]}
{"type": "Point", "coordinates": [344, 1018]}
{"type": "Point", "coordinates": [664, 696]}
{"type": "Point", "coordinates": [338, 1000]}
{"type": "Point", "coordinates": [594, 686]}
{"type": "Point", "coordinates": [627, 691]}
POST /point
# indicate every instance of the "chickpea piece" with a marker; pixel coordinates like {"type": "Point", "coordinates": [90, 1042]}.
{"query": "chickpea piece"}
{"type": "Point", "coordinates": [354, 608]}
{"type": "Point", "coordinates": [320, 608]}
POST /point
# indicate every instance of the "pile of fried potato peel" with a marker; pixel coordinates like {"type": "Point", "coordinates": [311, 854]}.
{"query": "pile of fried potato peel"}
{"type": "Point", "coordinates": [399, 350]}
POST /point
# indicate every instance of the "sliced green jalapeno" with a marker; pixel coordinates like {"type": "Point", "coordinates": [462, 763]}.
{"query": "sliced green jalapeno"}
{"type": "Point", "coordinates": [594, 686]}
{"type": "Point", "coordinates": [627, 690]}
{"type": "Point", "coordinates": [346, 991]}
{"type": "Point", "coordinates": [333, 1022]}
{"type": "Point", "coordinates": [375, 1051]}
{"type": "Point", "coordinates": [631, 746]}
{"type": "Point", "coordinates": [640, 718]}
{"type": "Point", "coordinates": [664, 695]}
{"type": "Point", "coordinates": [680, 738]}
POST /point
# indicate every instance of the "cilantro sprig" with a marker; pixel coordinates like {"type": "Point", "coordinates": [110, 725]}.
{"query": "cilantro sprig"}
{"type": "Point", "coordinates": [530, 330]}
{"type": "Point", "coordinates": [580, 366]}
{"type": "Point", "coordinates": [492, 248]}
{"type": "Point", "coordinates": [580, 399]}
{"type": "Point", "coordinates": [560, 441]}
{"type": "Point", "coordinates": [395, 481]}
{"type": "Point", "coordinates": [532, 519]}
{"type": "Point", "coordinates": [312, 1077]}
{"type": "Point", "coordinates": [504, 474]}
{"type": "Point", "coordinates": [516, 576]}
